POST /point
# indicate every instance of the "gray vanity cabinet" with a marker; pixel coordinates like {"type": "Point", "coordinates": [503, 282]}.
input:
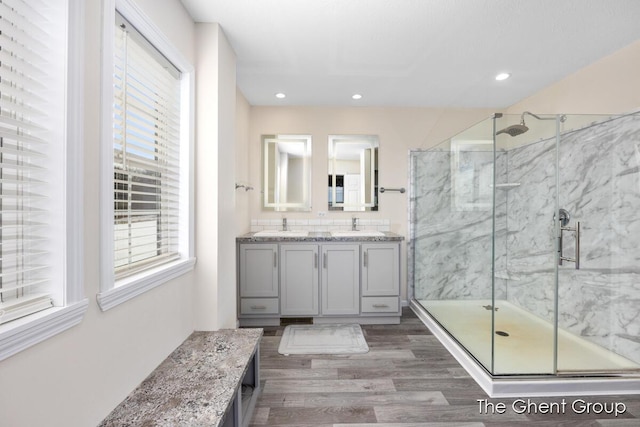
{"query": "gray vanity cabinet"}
{"type": "Point", "coordinates": [258, 278]}
{"type": "Point", "coordinates": [380, 278]}
{"type": "Point", "coordinates": [329, 281]}
{"type": "Point", "coordinates": [340, 279]}
{"type": "Point", "coordinates": [299, 279]}
{"type": "Point", "coordinates": [339, 276]}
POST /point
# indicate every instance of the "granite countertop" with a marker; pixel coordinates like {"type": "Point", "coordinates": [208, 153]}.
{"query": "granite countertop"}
{"type": "Point", "coordinates": [194, 386]}
{"type": "Point", "coordinates": [320, 236]}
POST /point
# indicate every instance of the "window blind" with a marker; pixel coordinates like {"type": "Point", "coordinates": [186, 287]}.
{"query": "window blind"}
{"type": "Point", "coordinates": [146, 147]}
{"type": "Point", "coordinates": [25, 138]}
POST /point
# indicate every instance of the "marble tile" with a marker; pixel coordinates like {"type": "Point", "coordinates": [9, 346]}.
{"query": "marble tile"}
{"type": "Point", "coordinates": [452, 234]}
{"type": "Point", "coordinates": [599, 183]}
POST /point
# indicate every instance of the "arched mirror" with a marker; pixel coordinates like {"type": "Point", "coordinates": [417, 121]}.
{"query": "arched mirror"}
{"type": "Point", "coordinates": [286, 182]}
{"type": "Point", "coordinates": [353, 172]}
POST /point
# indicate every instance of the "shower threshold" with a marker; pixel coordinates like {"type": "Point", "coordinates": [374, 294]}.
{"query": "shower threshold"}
{"type": "Point", "coordinates": [519, 378]}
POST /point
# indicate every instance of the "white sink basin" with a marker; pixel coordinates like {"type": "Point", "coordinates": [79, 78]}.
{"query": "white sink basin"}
{"type": "Point", "coordinates": [357, 233]}
{"type": "Point", "coordinates": [280, 233]}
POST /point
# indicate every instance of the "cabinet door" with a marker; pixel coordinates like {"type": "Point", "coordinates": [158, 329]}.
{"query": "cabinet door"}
{"type": "Point", "coordinates": [340, 279]}
{"type": "Point", "coordinates": [299, 280]}
{"type": "Point", "coordinates": [380, 269]}
{"type": "Point", "coordinates": [258, 270]}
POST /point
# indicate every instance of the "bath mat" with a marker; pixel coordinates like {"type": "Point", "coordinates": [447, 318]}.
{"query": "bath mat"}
{"type": "Point", "coordinates": [323, 339]}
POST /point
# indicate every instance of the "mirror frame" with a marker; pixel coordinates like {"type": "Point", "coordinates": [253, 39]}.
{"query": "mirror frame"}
{"type": "Point", "coordinates": [372, 142]}
{"type": "Point", "coordinates": [305, 150]}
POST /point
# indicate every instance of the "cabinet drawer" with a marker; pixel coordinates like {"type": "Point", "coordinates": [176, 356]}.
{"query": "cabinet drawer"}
{"type": "Point", "coordinates": [380, 304]}
{"type": "Point", "coordinates": [259, 306]}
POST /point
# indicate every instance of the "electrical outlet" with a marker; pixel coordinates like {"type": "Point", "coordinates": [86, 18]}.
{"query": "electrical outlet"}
{"type": "Point", "coordinates": [322, 213]}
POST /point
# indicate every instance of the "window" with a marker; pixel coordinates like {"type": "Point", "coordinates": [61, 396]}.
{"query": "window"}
{"type": "Point", "coordinates": [147, 237]}
{"type": "Point", "coordinates": [146, 153]}
{"type": "Point", "coordinates": [40, 201]}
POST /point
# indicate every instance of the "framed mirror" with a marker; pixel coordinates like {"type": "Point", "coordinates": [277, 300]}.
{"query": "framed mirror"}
{"type": "Point", "coordinates": [286, 172]}
{"type": "Point", "coordinates": [353, 172]}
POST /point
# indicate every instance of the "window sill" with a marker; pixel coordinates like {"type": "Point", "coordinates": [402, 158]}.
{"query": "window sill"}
{"type": "Point", "coordinates": [22, 333]}
{"type": "Point", "coordinates": [133, 286]}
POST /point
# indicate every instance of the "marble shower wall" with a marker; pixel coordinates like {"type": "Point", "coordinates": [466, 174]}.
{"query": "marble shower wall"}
{"type": "Point", "coordinates": [599, 179]}
{"type": "Point", "coordinates": [453, 227]}
{"type": "Point", "coordinates": [599, 185]}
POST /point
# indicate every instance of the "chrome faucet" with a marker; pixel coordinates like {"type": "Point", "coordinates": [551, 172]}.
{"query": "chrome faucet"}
{"type": "Point", "coordinates": [354, 224]}
{"type": "Point", "coordinates": [284, 224]}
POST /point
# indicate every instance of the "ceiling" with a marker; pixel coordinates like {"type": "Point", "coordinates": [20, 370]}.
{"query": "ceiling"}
{"type": "Point", "coordinates": [431, 53]}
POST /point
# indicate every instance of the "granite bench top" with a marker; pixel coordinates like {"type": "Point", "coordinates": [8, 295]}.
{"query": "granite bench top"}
{"type": "Point", "coordinates": [194, 386]}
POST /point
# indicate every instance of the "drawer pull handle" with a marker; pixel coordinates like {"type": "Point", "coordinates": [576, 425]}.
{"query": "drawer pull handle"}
{"type": "Point", "coordinates": [380, 305]}
{"type": "Point", "coordinates": [258, 307]}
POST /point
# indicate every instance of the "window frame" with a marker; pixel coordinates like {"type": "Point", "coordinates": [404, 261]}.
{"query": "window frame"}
{"type": "Point", "coordinates": [27, 331]}
{"type": "Point", "coordinates": [114, 292]}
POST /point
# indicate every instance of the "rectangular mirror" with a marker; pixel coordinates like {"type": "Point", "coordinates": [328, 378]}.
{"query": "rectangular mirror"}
{"type": "Point", "coordinates": [286, 172]}
{"type": "Point", "coordinates": [353, 172]}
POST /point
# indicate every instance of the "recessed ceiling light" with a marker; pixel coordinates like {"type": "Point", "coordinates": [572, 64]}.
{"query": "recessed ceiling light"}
{"type": "Point", "coordinates": [356, 96]}
{"type": "Point", "coordinates": [503, 76]}
{"type": "Point", "coordinates": [280, 95]}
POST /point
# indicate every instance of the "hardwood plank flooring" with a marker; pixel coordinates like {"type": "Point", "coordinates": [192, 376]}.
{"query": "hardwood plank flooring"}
{"type": "Point", "coordinates": [408, 379]}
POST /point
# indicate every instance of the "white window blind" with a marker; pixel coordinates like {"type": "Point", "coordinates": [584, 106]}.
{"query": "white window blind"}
{"type": "Point", "coordinates": [146, 154]}
{"type": "Point", "coordinates": [26, 141]}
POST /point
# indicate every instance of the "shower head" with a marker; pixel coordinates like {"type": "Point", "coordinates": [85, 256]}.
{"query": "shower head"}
{"type": "Point", "coordinates": [514, 130]}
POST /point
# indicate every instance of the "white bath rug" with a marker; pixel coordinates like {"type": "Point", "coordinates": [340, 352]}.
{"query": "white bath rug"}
{"type": "Point", "coordinates": [323, 339]}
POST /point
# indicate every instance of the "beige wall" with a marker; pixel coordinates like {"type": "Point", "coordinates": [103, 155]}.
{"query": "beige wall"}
{"type": "Point", "coordinates": [608, 86]}
{"type": "Point", "coordinates": [215, 283]}
{"type": "Point", "coordinates": [243, 215]}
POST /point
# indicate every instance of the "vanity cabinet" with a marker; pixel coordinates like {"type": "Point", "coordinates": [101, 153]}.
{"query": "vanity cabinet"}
{"type": "Point", "coordinates": [380, 278]}
{"type": "Point", "coordinates": [299, 279]}
{"type": "Point", "coordinates": [258, 278]}
{"type": "Point", "coordinates": [328, 281]}
{"type": "Point", "coordinates": [340, 279]}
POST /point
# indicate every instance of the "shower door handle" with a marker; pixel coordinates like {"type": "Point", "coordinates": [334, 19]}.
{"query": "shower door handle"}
{"type": "Point", "coordinates": [576, 232]}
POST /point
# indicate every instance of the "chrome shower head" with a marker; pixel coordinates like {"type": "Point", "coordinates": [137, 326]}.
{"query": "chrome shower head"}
{"type": "Point", "coordinates": [514, 130]}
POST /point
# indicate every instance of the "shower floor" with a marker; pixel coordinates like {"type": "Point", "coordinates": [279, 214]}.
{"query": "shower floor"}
{"type": "Point", "coordinates": [528, 347]}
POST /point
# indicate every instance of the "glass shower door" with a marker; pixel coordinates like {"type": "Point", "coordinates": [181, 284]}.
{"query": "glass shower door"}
{"type": "Point", "coordinates": [599, 268]}
{"type": "Point", "coordinates": [452, 237]}
{"type": "Point", "coordinates": [525, 248]}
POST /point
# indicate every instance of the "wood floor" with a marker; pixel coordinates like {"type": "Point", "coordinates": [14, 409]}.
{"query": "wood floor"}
{"type": "Point", "coordinates": [407, 379]}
